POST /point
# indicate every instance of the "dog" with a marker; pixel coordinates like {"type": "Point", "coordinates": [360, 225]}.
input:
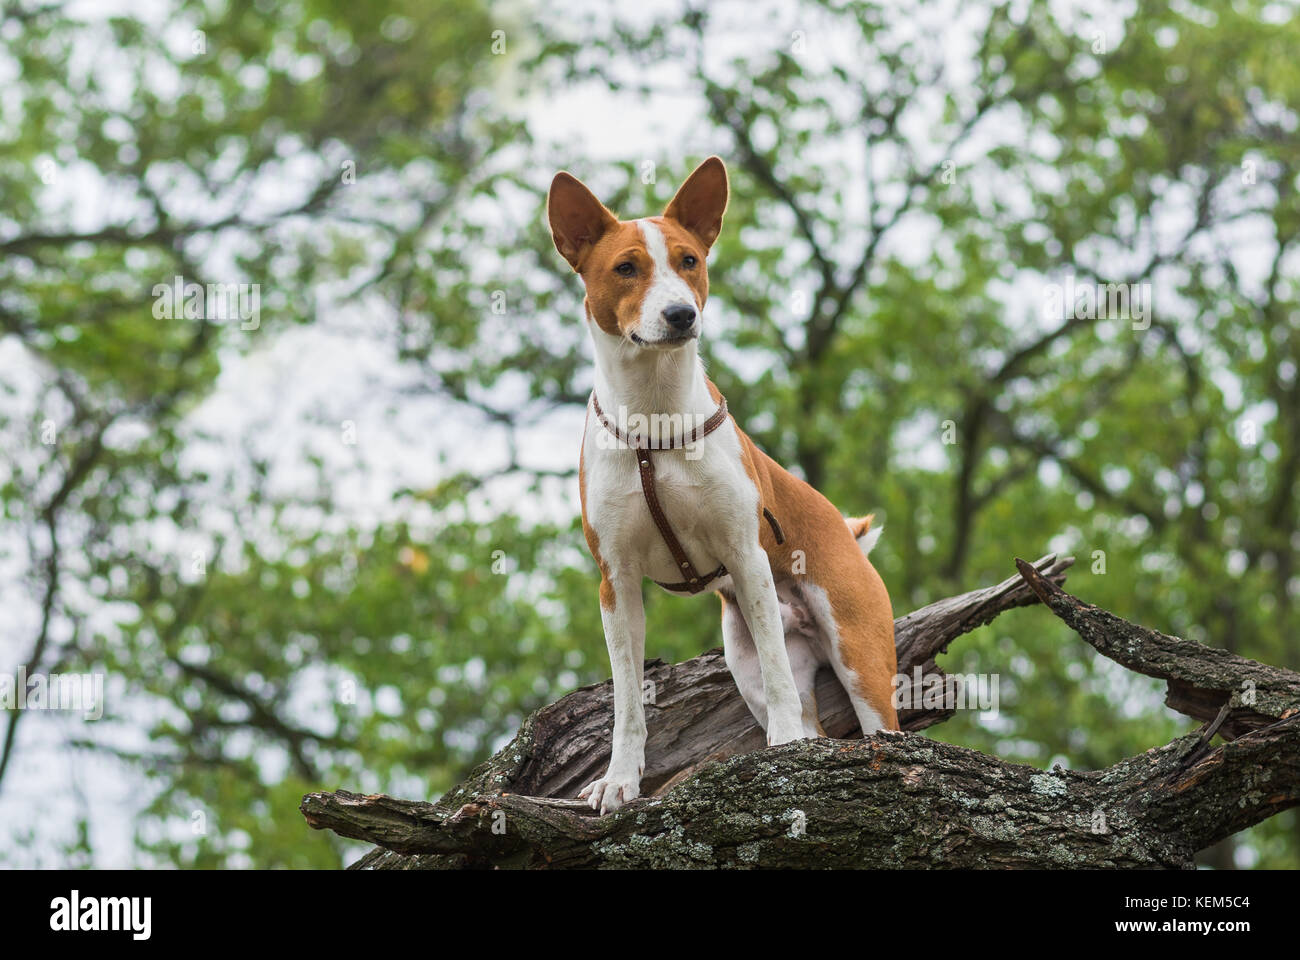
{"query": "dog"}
{"type": "Point", "coordinates": [672, 489]}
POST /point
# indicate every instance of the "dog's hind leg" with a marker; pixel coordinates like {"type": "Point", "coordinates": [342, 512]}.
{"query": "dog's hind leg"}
{"type": "Point", "coordinates": [804, 661]}
{"type": "Point", "coordinates": [742, 660]}
{"type": "Point", "coordinates": [858, 641]}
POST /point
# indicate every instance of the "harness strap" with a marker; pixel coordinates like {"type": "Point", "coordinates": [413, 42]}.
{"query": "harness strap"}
{"type": "Point", "coordinates": [694, 582]}
{"type": "Point", "coordinates": [717, 419]}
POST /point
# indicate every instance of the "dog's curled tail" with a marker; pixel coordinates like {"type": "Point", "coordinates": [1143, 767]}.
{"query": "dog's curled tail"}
{"type": "Point", "coordinates": [860, 527]}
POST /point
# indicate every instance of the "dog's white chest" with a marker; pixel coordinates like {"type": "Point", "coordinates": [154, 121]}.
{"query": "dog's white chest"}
{"type": "Point", "coordinates": [707, 498]}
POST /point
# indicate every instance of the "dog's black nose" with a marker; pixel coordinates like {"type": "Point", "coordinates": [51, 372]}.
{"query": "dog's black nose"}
{"type": "Point", "coordinates": [679, 316]}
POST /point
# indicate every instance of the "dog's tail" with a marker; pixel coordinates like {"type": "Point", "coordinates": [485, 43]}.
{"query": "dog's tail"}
{"type": "Point", "coordinates": [860, 527]}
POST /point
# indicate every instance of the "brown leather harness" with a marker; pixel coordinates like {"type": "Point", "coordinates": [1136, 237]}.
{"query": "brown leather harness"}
{"type": "Point", "coordinates": [694, 582]}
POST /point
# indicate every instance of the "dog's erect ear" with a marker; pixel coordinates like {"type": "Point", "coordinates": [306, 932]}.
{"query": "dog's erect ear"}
{"type": "Point", "coordinates": [577, 218]}
{"type": "Point", "coordinates": [701, 201]}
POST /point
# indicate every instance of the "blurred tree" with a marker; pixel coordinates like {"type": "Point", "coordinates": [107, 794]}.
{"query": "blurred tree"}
{"type": "Point", "coordinates": [907, 180]}
{"type": "Point", "coordinates": [255, 144]}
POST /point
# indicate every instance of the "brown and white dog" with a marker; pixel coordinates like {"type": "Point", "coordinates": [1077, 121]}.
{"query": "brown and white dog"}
{"type": "Point", "coordinates": [797, 588]}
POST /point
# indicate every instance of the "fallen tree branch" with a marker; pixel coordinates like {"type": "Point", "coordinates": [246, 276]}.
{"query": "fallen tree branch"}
{"type": "Point", "coordinates": [717, 798]}
{"type": "Point", "coordinates": [1202, 679]}
{"type": "Point", "coordinates": [892, 800]}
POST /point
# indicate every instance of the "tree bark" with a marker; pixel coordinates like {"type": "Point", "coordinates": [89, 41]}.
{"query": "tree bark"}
{"type": "Point", "coordinates": [714, 796]}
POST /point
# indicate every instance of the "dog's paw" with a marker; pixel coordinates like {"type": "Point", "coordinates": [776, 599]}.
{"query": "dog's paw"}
{"type": "Point", "coordinates": [778, 734]}
{"type": "Point", "coordinates": [611, 791]}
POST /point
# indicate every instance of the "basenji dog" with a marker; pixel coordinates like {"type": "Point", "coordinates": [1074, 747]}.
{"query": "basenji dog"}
{"type": "Point", "coordinates": [695, 504]}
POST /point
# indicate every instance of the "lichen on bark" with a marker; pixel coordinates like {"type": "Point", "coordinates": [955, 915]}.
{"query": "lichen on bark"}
{"type": "Point", "coordinates": [717, 798]}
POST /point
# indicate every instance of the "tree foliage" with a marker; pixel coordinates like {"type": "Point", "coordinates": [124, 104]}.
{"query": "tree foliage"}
{"type": "Point", "coordinates": [910, 184]}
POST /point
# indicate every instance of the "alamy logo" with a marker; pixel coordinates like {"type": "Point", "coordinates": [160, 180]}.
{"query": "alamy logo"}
{"type": "Point", "coordinates": [1098, 301]}
{"type": "Point", "coordinates": [133, 914]}
{"type": "Point", "coordinates": [922, 691]}
{"type": "Point", "coordinates": [75, 692]}
{"type": "Point", "coordinates": [215, 301]}
{"type": "Point", "coordinates": [658, 431]}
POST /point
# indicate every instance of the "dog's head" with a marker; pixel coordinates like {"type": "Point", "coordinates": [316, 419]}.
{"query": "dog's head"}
{"type": "Point", "coordinates": [646, 280]}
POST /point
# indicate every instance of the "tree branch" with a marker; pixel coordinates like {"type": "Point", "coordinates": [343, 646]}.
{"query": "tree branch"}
{"type": "Point", "coordinates": [894, 799]}
{"type": "Point", "coordinates": [1201, 679]}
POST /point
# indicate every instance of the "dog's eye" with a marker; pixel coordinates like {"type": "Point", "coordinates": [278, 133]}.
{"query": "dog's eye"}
{"type": "Point", "coordinates": [625, 269]}
{"type": "Point", "coordinates": [689, 262]}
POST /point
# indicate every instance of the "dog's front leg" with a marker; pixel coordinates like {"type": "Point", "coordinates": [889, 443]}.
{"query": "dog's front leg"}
{"type": "Point", "coordinates": [625, 638]}
{"type": "Point", "coordinates": [756, 594]}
